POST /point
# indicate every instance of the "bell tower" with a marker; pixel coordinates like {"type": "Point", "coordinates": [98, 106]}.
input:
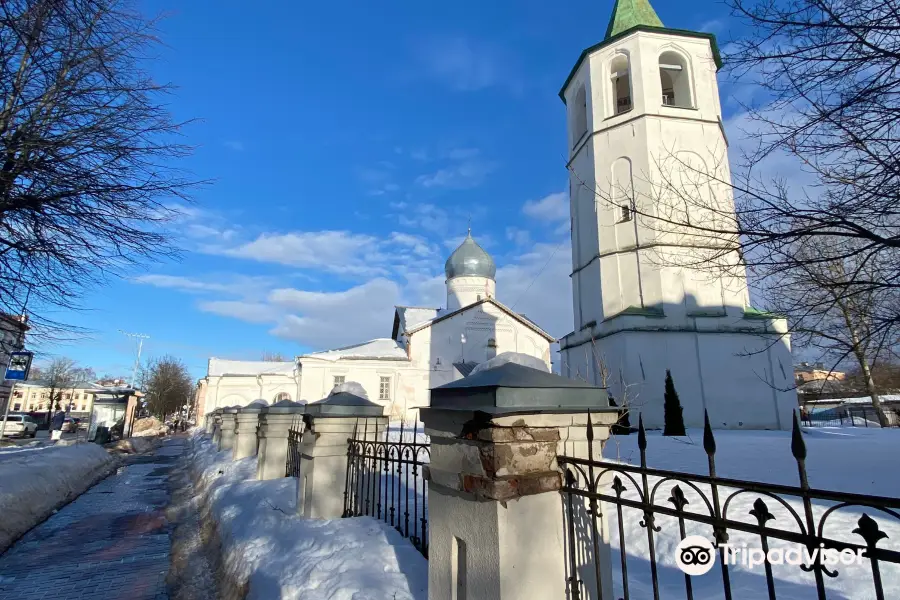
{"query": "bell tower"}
{"type": "Point", "coordinates": [644, 121]}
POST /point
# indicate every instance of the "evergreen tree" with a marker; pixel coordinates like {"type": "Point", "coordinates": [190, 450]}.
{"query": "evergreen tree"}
{"type": "Point", "coordinates": [674, 419]}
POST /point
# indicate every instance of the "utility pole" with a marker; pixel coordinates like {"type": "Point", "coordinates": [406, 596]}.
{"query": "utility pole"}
{"type": "Point", "coordinates": [140, 337]}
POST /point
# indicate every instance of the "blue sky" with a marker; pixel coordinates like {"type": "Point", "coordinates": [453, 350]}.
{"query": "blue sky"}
{"type": "Point", "coordinates": [349, 144]}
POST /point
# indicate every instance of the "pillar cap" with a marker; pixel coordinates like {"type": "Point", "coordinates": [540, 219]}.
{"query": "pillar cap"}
{"type": "Point", "coordinates": [514, 388]}
{"type": "Point", "coordinates": [283, 407]}
{"type": "Point", "coordinates": [231, 409]}
{"type": "Point", "coordinates": [345, 404]}
{"type": "Point", "coordinates": [254, 407]}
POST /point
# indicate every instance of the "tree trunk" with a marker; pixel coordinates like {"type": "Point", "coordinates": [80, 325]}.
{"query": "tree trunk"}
{"type": "Point", "coordinates": [870, 389]}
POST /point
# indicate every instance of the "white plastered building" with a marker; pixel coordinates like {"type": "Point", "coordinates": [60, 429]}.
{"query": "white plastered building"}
{"type": "Point", "coordinates": [428, 347]}
{"type": "Point", "coordinates": [643, 98]}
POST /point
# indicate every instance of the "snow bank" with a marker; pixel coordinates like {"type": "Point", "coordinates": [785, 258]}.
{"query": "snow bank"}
{"type": "Point", "coordinates": [271, 553]}
{"type": "Point", "coordinates": [511, 357]}
{"type": "Point", "coordinates": [37, 481]}
{"type": "Point", "coordinates": [860, 461]}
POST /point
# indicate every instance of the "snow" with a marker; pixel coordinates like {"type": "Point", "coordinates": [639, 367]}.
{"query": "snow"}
{"type": "Point", "coordinates": [511, 357]}
{"type": "Point", "coordinates": [38, 479]}
{"type": "Point", "coordinates": [280, 555]}
{"type": "Point", "coordinates": [351, 387]}
{"type": "Point", "coordinates": [219, 367]}
{"type": "Point", "coordinates": [854, 460]}
{"type": "Point", "coordinates": [414, 316]}
{"type": "Point", "coordinates": [377, 349]}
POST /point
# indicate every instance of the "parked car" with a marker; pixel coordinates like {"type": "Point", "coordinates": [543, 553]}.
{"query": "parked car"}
{"type": "Point", "coordinates": [20, 425]}
{"type": "Point", "coordinates": [70, 425]}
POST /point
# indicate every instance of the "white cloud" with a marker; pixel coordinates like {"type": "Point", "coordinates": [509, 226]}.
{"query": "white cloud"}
{"type": "Point", "coordinates": [334, 251]}
{"type": "Point", "coordinates": [465, 175]}
{"type": "Point", "coordinates": [252, 312]}
{"type": "Point", "coordinates": [553, 207]}
{"type": "Point", "coordinates": [520, 237]}
{"type": "Point", "coordinates": [425, 217]}
{"type": "Point", "coordinates": [464, 64]}
{"type": "Point", "coordinates": [537, 284]}
{"type": "Point", "coordinates": [229, 284]}
{"type": "Point", "coordinates": [416, 243]}
{"type": "Point", "coordinates": [324, 320]}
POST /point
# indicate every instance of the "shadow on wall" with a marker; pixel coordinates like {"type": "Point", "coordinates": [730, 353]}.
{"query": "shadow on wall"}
{"type": "Point", "coordinates": [720, 359]}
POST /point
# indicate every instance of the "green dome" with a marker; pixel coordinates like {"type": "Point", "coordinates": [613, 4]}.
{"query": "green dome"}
{"type": "Point", "coordinates": [470, 260]}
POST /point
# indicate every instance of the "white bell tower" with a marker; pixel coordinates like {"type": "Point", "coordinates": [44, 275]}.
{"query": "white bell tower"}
{"type": "Point", "coordinates": [644, 121]}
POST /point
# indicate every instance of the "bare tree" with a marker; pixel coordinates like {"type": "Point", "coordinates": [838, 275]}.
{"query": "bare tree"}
{"type": "Point", "coordinates": [59, 376]}
{"type": "Point", "coordinates": [88, 151]}
{"type": "Point", "coordinates": [832, 317]}
{"type": "Point", "coordinates": [168, 386]}
{"type": "Point", "coordinates": [273, 357]}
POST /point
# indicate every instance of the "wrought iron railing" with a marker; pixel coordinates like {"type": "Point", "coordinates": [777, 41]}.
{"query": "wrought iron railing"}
{"type": "Point", "coordinates": [292, 463]}
{"type": "Point", "coordinates": [588, 482]}
{"type": "Point", "coordinates": [848, 416]}
{"type": "Point", "coordinates": [385, 480]}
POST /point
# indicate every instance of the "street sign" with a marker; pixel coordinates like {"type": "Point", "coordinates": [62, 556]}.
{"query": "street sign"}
{"type": "Point", "coordinates": [19, 366]}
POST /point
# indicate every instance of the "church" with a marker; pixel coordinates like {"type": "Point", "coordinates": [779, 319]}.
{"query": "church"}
{"type": "Point", "coordinates": [644, 97]}
{"type": "Point", "coordinates": [428, 347]}
{"type": "Point", "coordinates": [644, 305]}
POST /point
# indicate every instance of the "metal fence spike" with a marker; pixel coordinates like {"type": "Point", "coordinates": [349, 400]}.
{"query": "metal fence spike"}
{"type": "Point", "coordinates": [642, 435]}
{"type": "Point", "coordinates": [709, 441]}
{"type": "Point", "coordinates": [798, 446]}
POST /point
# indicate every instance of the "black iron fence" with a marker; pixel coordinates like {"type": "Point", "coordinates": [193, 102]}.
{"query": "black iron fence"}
{"type": "Point", "coordinates": [292, 463]}
{"type": "Point", "coordinates": [385, 480]}
{"type": "Point", "coordinates": [820, 526]}
{"type": "Point", "coordinates": [847, 416]}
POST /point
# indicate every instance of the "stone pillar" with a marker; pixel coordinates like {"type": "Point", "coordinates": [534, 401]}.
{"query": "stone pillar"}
{"type": "Point", "coordinates": [323, 465]}
{"type": "Point", "coordinates": [216, 426]}
{"type": "Point", "coordinates": [246, 423]}
{"type": "Point", "coordinates": [226, 437]}
{"type": "Point", "coordinates": [496, 517]}
{"type": "Point", "coordinates": [274, 422]}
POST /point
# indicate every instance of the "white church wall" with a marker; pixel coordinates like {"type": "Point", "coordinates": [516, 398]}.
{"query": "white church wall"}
{"type": "Point", "coordinates": [318, 380]}
{"type": "Point", "coordinates": [241, 390]}
{"type": "Point", "coordinates": [737, 378]}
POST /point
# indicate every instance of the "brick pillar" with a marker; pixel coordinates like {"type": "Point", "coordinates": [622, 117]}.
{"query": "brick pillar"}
{"type": "Point", "coordinates": [323, 465]}
{"type": "Point", "coordinates": [226, 436]}
{"type": "Point", "coordinates": [246, 423]}
{"type": "Point", "coordinates": [274, 422]}
{"type": "Point", "coordinates": [496, 516]}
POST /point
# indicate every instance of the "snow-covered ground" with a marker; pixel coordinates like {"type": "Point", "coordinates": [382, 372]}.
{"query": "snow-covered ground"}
{"type": "Point", "coordinates": [35, 480]}
{"type": "Point", "coordinates": [280, 555]}
{"type": "Point", "coordinates": [857, 460]}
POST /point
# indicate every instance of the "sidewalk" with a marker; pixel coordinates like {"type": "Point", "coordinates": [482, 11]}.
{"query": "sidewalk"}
{"type": "Point", "coordinates": [112, 542]}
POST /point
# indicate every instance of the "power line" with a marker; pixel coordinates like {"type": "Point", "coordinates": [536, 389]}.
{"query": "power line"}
{"type": "Point", "coordinates": [141, 337]}
{"type": "Point", "coordinates": [552, 254]}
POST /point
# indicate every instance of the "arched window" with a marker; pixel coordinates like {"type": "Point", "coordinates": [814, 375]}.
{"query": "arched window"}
{"type": "Point", "coordinates": [282, 396]}
{"type": "Point", "coordinates": [620, 72]}
{"type": "Point", "coordinates": [579, 116]}
{"type": "Point", "coordinates": [675, 80]}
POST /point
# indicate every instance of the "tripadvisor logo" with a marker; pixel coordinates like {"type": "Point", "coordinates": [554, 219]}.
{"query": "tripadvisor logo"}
{"type": "Point", "coordinates": [695, 555]}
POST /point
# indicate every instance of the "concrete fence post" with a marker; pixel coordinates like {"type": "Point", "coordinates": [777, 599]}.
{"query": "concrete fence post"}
{"type": "Point", "coordinates": [245, 431]}
{"type": "Point", "coordinates": [216, 426]}
{"type": "Point", "coordinates": [274, 423]}
{"type": "Point", "coordinates": [496, 515]}
{"type": "Point", "coordinates": [226, 437]}
{"type": "Point", "coordinates": [323, 465]}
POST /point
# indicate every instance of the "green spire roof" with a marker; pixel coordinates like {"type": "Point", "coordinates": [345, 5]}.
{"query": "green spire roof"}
{"type": "Point", "coordinates": [631, 13]}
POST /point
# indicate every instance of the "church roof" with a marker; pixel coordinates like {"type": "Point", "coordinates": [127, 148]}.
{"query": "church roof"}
{"type": "Point", "coordinates": [377, 349]}
{"type": "Point", "coordinates": [631, 13]}
{"type": "Point", "coordinates": [219, 367]}
{"type": "Point", "coordinates": [520, 318]}
{"type": "Point", "coordinates": [470, 260]}
{"type": "Point", "coordinates": [409, 317]}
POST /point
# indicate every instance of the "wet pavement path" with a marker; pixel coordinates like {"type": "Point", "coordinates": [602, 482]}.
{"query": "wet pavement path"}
{"type": "Point", "coordinates": [112, 542]}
